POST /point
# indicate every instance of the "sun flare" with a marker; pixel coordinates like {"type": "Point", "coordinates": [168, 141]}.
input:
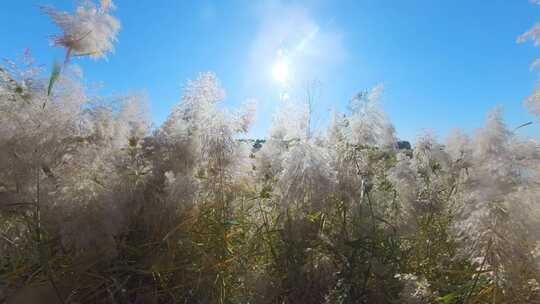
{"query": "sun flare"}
{"type": "Point", "coordinates": [280, 71]}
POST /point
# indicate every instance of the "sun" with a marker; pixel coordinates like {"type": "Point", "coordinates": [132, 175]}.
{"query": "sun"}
{"type": "Point", "coordinates": [280, 71]}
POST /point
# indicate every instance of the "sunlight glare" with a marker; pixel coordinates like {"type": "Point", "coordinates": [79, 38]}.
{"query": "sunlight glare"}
{"type": "Point", "coordinates": [280, 71]}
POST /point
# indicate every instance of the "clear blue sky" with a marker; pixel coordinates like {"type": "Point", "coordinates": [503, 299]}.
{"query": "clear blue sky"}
{"type": "Point", "coordinates": [444, 64]}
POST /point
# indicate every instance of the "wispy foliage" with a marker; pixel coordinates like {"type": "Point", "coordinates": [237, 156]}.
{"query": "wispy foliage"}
{"type": "Point", "coordinates": [90, 31]}
{"type": "Point", "coordinates": [96, 206]}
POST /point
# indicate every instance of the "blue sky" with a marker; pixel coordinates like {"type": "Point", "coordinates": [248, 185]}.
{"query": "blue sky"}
{"type": "Point", "coordinates": [444, 64]}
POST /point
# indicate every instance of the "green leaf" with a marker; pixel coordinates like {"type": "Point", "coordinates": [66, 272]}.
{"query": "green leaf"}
{"type": "Point", "coordinates": [231, 223]}
{"type": "Point", "coordinates": [266, 192]}
{"type": "Point", "coordinates": [315, 216]}
{"type": "Point", "coordinates": [447, 299]}
{"type": "Point", "coordinates": [55, 73]}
